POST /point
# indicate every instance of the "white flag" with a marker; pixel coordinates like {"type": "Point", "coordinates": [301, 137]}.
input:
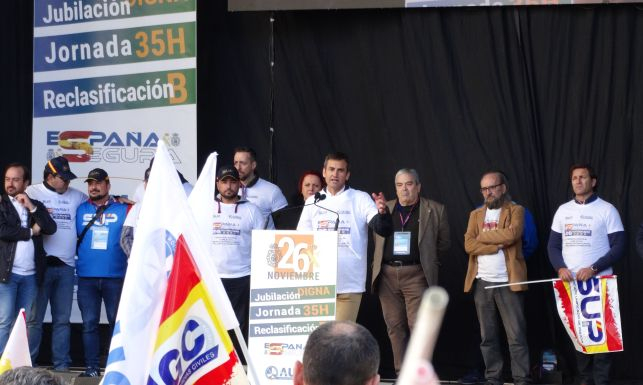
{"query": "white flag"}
{"type": "Point", "coordinates": [164, 216]}
{"type": "Point", "coordinates": [16, 352]}
{"type": "Point", "coordinates": [201, 201]}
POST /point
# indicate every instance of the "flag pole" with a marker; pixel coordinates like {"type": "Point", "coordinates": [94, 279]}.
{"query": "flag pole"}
{"type": "Point", "coordinates": [246, 354]}
{"type": "Point", "coordinates": [523, 283]}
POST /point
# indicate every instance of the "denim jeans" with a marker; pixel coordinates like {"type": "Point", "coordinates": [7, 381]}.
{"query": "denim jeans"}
{"type": "Point", "coordinates": [19, 292]}
{"type": "Point", "coordinates": [510, 306]}
{"type": "Point", "coordinates": [57, 289]}
{"type": "Point", "coordinates": [91, 293]}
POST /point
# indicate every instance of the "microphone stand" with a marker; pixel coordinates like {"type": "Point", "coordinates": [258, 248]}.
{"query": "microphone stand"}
{"type": "Point", "coordinates": [321, 198]}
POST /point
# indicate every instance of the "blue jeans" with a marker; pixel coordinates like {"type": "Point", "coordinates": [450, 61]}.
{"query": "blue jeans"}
{"type": "Point", "coordinates": [91, 293]}
{"type": "Point", "coordinates": [57, 289]}
{"type": "Point", "coordinates": [509, 305]}
{"type": "Point", "coordinates": [19, 292]}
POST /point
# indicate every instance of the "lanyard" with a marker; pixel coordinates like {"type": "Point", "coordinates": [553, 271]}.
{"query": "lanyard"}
{"type": "Point", "coordinates": [403, 220]}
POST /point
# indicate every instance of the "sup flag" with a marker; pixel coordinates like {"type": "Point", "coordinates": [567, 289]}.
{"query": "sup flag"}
{"type": "Point", "coordinates": [16, 352]}
{"type": "Point", "coordinates": [590, 313]}
{"type": "Point", "coordinates": [170, 336]}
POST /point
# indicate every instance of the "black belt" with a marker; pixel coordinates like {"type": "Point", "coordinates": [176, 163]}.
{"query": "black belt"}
{"type": "Point", "coordinates": [54, 261]}
{"type": "Point", "coordinates": [401, 263]}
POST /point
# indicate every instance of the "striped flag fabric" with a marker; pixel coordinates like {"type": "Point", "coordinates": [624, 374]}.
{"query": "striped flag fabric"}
{"type": "Point", "coordinates": [144, 346]}
{"type": "Point", "coordinates": [193, 345]}
{"type": "Point", "coordinates": [590, 313]}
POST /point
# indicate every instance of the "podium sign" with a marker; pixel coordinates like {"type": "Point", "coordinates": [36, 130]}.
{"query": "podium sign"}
{"type": "Point", "coordinates": [292, 292]}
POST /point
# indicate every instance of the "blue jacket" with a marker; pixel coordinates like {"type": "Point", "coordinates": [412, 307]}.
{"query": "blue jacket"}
{"type": "Point", "coordinates": [529, 235]}
{"type": "Point", "coordinates": [100, 254]}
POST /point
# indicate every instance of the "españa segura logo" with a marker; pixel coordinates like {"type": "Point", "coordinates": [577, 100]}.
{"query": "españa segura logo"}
{"type": "Point", "coordinates": [109, 146]}
{"type": "Point", "coordinates": [282, 348]}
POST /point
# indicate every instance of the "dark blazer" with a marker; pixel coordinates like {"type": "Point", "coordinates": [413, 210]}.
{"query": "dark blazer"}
{"type": "Point", "coordinates": [433, 236]}
{"type": "Point", "coordinates": [11, 231]}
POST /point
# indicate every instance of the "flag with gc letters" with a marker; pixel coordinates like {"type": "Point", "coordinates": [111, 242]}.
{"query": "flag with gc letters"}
{"type": "Point", "coordinates": [590, 313]}
{"type": "Point", "coordinates": [168, 327]}
{"type": "Point", "coordinates": [193, 345]}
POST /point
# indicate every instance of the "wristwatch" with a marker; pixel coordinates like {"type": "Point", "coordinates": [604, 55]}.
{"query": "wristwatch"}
{"type": "Point", "coordinates": [594, 269]}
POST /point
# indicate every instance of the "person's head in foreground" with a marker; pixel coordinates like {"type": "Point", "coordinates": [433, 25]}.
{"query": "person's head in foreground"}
{"type": "Point", "coordinates": [339, 353]}
{"type": "Point", "coordinates": [27, 375]}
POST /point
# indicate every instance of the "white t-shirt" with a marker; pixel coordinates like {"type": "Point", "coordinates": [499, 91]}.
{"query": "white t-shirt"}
{"type": "Point", "coordinates": [62, 208]}
{"type": "Point", "coordinates": [492, 267]}
{"type": "Point", "coordinates": [356, 209]}
{"type": "Point", "coordinates": [265, 195]}
{"type": "Point", "coordinates": [24, 262]}
{"type": "Point", "coordinates": [231, 237]}
{"type": "Point", "coordinates": [584, 229]}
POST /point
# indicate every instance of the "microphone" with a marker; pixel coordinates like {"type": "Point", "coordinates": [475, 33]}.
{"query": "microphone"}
{"type": "Point", "coordinates": [320, 197]}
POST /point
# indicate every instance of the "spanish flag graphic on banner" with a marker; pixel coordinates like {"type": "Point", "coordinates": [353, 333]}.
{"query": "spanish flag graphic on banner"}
{"type": "Point", "coordinates": [590, 313]}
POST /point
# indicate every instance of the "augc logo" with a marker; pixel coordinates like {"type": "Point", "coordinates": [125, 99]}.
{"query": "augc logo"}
{"type": "Point", "coordinates": [274, 373]}
{"type": "Point", "coordinates": [198, 348]}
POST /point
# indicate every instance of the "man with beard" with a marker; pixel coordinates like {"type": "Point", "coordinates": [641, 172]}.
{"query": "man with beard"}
{"type": "Point", "coordinates": [263, 194]}
{"type": "Point", "coordinates": [57, 288]}
{"type": "Point", "coordinates": [233, 221]}
{"type": "Point", "coordinates": [493, 242]}
{"type": "Point", "coordinates": [101, 262]}
{"type": "Point", "coordinates": [23, 221]}
{"type": "Point", "coordinates": [586, 239]}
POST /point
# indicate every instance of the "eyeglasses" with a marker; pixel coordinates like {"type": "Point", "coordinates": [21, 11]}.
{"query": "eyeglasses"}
{"type": "Point", "coordinates": [487, 189]}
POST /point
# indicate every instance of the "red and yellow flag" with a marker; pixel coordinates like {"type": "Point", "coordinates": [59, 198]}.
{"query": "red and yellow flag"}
{"type": "Point", "coordinates": [590, 313]}
{"type": "Point", "coordinates": [192, 345]}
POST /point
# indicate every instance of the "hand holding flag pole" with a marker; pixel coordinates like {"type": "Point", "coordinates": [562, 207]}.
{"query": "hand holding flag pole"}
{"type": "Point", "coordinates": [416, 369]}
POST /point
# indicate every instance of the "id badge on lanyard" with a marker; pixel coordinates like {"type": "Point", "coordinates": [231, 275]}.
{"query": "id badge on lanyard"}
{"type": "Point", "coordinates": [99, 238]}
{"type": "Point", "coordinates": [402, 243]}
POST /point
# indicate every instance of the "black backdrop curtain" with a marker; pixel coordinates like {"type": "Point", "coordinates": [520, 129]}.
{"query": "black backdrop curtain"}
{"type": "Point", "coordinates": [450, 92]}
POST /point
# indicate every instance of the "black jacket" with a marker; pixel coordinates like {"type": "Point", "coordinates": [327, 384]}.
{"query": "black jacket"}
{"type": "Point", "coordinates": [11, 232]}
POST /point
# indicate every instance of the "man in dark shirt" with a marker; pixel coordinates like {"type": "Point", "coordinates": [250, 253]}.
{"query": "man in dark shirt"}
{"type": "Point", "coordinates": [406, 263]}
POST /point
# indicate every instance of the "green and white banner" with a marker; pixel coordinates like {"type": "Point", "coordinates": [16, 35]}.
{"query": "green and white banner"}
{"type": "Point", "coordinates": [111, 79]}
{"type": "Point", "coordinates": [292, 292]}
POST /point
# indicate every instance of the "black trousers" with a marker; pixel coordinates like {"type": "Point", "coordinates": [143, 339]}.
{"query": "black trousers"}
{"type": "Point", "coordinates": [594, 368]}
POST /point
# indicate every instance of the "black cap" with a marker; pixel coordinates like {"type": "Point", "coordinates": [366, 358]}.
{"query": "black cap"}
{"type": "Point", "coordinates": [60, 166]}
{"type": "Point", "coordinates": [227, 172]}
{"type": "Point", "coordinates": [97, 174]}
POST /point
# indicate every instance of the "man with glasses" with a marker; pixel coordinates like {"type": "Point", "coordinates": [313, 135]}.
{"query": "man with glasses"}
{"type": "Point", "coordinates": [493, 242]}
{"type": "Point", "coordinates": [57, 288]}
